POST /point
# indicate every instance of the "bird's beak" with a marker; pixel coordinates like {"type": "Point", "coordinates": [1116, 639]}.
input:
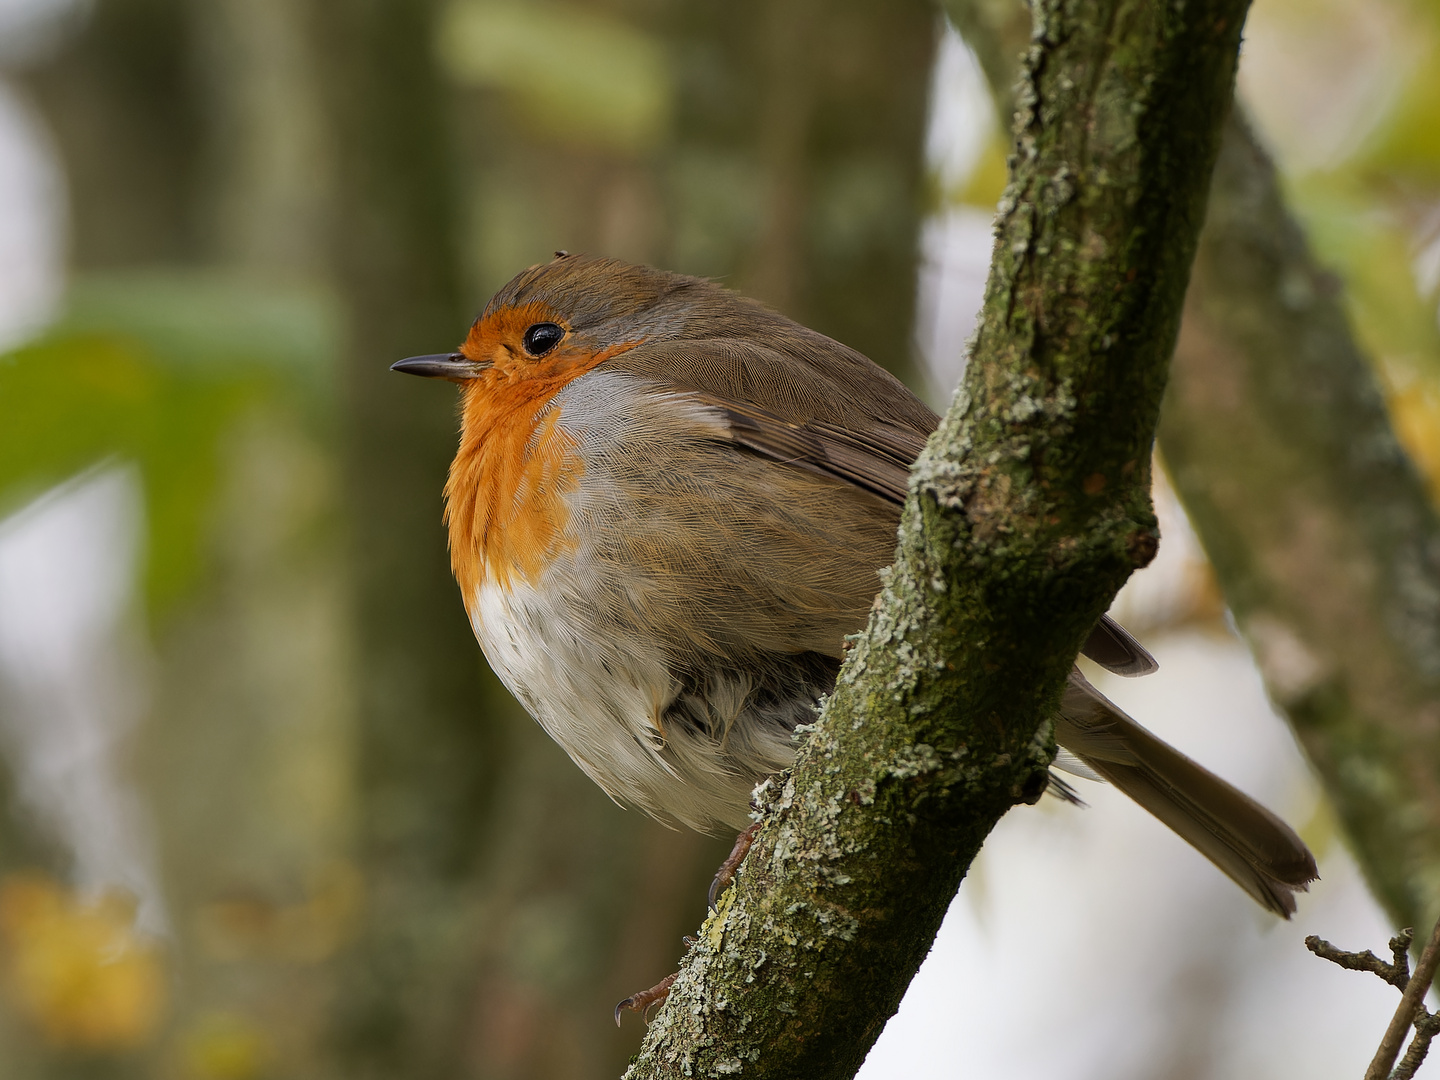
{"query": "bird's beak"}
{"type": "Point", "coordinates": [454, 366]}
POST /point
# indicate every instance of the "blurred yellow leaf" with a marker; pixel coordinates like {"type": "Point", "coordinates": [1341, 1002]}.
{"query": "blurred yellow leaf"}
{"type": "Point", "coordinates": [75, 968]}
{"type": "Point", "coordinates": [986, 183]}
{"type": "Point", "coordinates": [981, 187]}
{"type": "Point", "coordinates": [1415, 411]}
{"type": "Point", "coordinates": [223, 1046]}
{"type": "Point", "coordinates": [575, 72]}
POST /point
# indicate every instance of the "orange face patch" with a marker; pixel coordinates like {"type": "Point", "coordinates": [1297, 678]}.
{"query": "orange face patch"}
{"type": "Point", "coordinates": [505, 497]}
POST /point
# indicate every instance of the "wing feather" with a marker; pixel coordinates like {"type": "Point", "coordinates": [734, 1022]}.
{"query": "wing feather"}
{"type": "Point", "coordinates": [1112, 647]}
{"type": "Point", "coordinates": [834, 414]}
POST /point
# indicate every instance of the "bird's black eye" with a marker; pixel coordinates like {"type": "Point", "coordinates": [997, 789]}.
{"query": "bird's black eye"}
{"type": "Point", "coordinates": [542, 337]}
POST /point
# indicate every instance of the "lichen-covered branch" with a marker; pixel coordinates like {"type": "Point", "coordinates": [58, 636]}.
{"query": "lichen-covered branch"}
{"type": "Point", "coordinates": [1028, 510]}
{"type": "Point", "coordinates": [1321, 533]}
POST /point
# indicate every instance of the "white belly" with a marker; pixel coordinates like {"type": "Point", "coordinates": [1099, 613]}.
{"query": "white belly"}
{"type": "Point", "coordinates": [601, 697]}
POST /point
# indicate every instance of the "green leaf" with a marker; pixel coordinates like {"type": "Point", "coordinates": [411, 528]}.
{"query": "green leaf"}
{"type": "Point", "coordinates": [154, 369]}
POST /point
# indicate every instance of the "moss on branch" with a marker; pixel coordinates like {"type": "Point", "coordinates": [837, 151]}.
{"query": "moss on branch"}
{"type": "Point", "coordinates": [1028, 509]}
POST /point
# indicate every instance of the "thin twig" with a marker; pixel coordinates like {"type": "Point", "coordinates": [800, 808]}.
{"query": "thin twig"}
{"type": "Point", "coordinates": [1400, 950]}
{"type": "Point", "coordinates": [1412, 1009]}
{"type": "Point", "coordinates": [1426, 1028]}
{"type": "Point", "coordinates": [1396, 974]}
{"type": "Point", "coordinates": [1411, 1003]}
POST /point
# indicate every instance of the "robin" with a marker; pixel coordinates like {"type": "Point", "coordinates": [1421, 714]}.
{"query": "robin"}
{"type": "Point", "coordinates": [669, 507]}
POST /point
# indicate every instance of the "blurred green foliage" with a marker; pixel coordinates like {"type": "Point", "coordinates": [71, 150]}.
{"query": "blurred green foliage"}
{"type": "Point", "coordinates": [154, 370]}
{"type": "Point", "coordinates": [1405, 146]}
{"type": "Point", "coordinates": [1374, 215]}
{"type": "Point", "coordinates": [577, 73]}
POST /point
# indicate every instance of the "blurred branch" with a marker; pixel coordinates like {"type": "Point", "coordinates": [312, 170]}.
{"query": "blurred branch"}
{"type": "Point", "coordinates": [1322, 537]}
{"type": "Point", "coordinates": [1412, 1011]}
{"type": "Point", "coordinates": [1396, 973]}
{"type": "Point", "coordinates": [1027, 511]}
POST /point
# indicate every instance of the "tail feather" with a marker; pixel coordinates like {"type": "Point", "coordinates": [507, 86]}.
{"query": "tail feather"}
{"type": "Point", "coordinates": [1258, 851]}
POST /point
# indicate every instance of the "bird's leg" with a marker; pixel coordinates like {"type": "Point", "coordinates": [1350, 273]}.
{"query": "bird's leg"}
{"type": "Point", "coordinates": [726, 874]}
{"type": "Point", "coordinates": [644, 1001]}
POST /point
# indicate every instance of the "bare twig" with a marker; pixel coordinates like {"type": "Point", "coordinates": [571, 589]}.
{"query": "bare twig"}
{"type": "Point", "coordinates": [1412, 1011]}
{"type": "Point", "coordinates": [1412, 1005]}
{"type": "Point", "coordinates": [1397, 974]}
{"type": "Point", "coordinates": [1426, 1028]}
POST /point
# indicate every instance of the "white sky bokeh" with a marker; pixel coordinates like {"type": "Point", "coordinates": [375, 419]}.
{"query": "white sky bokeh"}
{"type": "Point", "coordinates": [955, 243]}
{"type": "Point", "coordinates": [72, 678]}
{"type": "Point", "coordinates": [72, 659]}
{"type": "Point", "coordinates": [1093, 943]}
{"type": "Point", "coordinates": [1319, 74]}
{"type": "Point", "coordinates": [32, 220]}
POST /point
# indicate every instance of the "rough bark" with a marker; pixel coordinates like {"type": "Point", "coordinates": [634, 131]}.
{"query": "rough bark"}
{"type": "Point", "coordinates": [1027, 511]}
{"type": "Point", "coordinates": [1322, 536]}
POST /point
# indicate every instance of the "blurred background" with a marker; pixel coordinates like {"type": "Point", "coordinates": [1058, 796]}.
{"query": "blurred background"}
{"type": "Point", "coordinates": [263, 810]}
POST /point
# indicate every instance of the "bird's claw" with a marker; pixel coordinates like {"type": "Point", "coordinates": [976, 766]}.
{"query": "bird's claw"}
{"type": "Point", "coordinates": [646, 1000]}
{"type": "Point", "coordinates": [726, 874]}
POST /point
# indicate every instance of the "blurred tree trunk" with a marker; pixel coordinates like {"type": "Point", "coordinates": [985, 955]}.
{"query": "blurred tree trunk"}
{"type": "Point", "coordinates": [1320, 530]}
{"type": "Point", "coordinates": [825, 106]}
{"type": "Point", "coordinates": [120, 100]}
{"type": "Point", "coordinates": [428, 750]}
{"type": "Point", "coordinates": [1319, 527]}
{"type": "Point", "coordinates": [177, 159]}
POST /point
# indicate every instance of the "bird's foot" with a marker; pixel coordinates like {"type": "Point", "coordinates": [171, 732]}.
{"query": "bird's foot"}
{"type": "Point", "coordinates": [726, 874]}
{"type": "Point", "coordinates": [646, 1000]}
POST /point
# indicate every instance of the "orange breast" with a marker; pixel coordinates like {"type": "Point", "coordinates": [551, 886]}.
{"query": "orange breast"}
{"type": "Point", "coordinates": [505, 497]}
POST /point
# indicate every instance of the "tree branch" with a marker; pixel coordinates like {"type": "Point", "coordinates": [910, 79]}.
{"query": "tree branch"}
{"type": "Point", "coordinates": [1027, 511]}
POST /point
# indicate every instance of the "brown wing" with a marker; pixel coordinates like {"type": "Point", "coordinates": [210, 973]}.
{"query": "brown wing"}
{"type": "Point", "coordinates": [805, 401]}
{"type": "Point", "coordinates": [877, 460]}
{"type": "Point", "coordinates": [812, 403]}
{"type": "Point", "coordinates": [796, 375]}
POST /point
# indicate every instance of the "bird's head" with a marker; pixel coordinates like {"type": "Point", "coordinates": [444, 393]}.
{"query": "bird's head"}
{"type": "Point", "coordinates": [579, 309]}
